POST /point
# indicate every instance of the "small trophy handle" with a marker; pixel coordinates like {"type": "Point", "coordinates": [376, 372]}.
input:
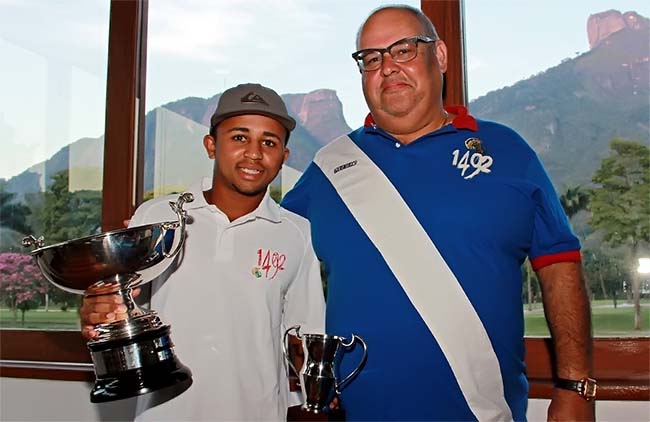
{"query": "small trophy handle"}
{"type": "Point", "coordinates": [338, 386]}
{"type": "Point", "coordinates": [32, 241]}
{"type": "Point", "coordinates": [181, 214]}
{"type": "Point", "coordinates": [284, 347]}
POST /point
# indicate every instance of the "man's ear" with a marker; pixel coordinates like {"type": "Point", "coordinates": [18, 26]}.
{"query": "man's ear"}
{"type": "Point", "coordinates": [441, 55]}
{"type": "Point", "coordinates": [286, 154]}
{"type": "Point", "coordinates": [210, 147]}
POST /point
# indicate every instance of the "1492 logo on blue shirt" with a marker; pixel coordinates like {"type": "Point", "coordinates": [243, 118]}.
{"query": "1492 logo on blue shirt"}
{"type": "Point", "coordinates": [474, 161]}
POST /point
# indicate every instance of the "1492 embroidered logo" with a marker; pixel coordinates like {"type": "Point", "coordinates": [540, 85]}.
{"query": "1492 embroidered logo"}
{"type": "Point", "coordinates": [479, 163]}
{"type": "Point", "coordinates": [269, 264]}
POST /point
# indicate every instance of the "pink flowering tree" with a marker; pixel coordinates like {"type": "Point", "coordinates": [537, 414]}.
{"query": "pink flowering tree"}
{"type": "Point", "coordinates": [21, 284]}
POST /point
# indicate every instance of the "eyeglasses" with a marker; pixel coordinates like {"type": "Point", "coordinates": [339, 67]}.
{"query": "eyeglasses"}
{"type": "Point", "coordinates": [400, 51]}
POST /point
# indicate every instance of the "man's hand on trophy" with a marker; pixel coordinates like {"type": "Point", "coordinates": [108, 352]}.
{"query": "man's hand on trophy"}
{"type": "Point", "coordinates": [101, 309]}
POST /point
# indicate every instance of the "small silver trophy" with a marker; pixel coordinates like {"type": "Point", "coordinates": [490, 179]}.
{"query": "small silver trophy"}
{"type": "Point", "coordinates": [136, 355]}
{"type": "Point", "coordinates": [322, 353]}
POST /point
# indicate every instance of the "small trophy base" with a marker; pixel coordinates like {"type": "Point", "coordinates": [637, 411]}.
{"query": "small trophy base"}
{"type": "Point", "coordinates": [139, 365]}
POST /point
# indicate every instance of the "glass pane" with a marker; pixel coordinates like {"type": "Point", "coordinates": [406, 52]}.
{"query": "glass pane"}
{"type": "Point", "coordinates": [198, 49]}
{"type": "Point", "coordinates": [53, 84]}
{"type": "Point", "coordinates": [572, 77]}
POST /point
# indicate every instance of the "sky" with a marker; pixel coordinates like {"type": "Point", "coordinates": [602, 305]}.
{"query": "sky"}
{"type": "Point", "coordinates": [52, 84]}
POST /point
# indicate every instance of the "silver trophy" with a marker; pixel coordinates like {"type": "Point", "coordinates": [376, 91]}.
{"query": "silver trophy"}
{"type": "Point", "coordinates": [136, 355]}
{"type": "Point", "coordinates": [322, 353]}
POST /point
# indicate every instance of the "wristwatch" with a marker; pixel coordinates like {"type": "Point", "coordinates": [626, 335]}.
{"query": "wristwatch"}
{"type": "Point", "coordinates": [586, 387]}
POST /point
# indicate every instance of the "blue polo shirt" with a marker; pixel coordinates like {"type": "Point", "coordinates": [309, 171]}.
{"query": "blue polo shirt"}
{"type": "Point", "coordinates": [484, 199]}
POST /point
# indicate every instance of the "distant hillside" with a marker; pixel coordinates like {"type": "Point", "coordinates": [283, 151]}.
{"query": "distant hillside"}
{"type": "Point", "coordinates": [319, 117]}
{"type": "Point", "coordinates": [570, 112]}
{"type": "Point", "coordinates": [86, 155]}
{"type": "Point", "coordinates": [176, 145]}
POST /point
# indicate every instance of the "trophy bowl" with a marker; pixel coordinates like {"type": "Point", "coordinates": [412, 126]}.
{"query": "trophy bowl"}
{"type": "Point", "coordinates": [136, 355]}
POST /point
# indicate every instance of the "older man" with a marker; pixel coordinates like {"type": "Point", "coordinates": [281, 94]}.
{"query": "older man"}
{"type": "Point", "coordinates": [423, 218]}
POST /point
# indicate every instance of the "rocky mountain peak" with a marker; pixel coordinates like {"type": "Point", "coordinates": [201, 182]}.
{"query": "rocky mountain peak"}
{"type": "Point", "coordinates": [320, 112]}
{"type": "Point", "coordinates": [602, 25]}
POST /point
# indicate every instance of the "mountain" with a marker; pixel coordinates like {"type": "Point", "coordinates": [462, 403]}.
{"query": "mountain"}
{"type": "Point", "coordinates": [173, 147]}
{"type": "Point", "coordinates": [318, 114]}
{"type": "Point", "coordinates": [85, 155]}
{"type": "Point", "coordinates": [570, 112]}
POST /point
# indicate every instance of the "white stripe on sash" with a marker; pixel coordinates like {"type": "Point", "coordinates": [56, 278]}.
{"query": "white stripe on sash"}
{"type": "Point", "coordinates": [422, 272]}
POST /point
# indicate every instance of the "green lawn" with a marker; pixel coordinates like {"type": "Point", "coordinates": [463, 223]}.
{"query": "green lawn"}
{"type": "Point", "coordinates": [606, 320]}
{"type": "Point", "coordinates": [54, 319]}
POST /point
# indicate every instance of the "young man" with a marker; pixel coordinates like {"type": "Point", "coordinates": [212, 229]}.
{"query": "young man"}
{"type": "Point", "coordinates": [430, 214]}
{"type": "Point", "coordinates": [247, 273]}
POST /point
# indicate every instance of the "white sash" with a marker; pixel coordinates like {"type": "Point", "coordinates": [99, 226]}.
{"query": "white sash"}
{"type": "Point", "coordinates": [422, 272]}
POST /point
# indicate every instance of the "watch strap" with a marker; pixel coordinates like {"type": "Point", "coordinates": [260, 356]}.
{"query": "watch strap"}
{"type": "Point", "coordinates": [586, 387]}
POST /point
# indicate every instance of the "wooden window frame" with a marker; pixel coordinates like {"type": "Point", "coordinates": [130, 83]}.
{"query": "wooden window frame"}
{"type": "Point", "coordinates": [621, 365]}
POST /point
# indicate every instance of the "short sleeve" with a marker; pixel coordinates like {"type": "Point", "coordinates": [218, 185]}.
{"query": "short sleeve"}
{"type": "Point", "coordinates": [553, 240]}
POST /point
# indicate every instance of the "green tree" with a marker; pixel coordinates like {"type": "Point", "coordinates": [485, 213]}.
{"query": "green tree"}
{"type": "Point", "coordinates": [601, 266]}
{"type": "Point", "coordinates": [13, 215]}
{"type": "Point", "coordinates": [574, 200]}
{"type": "Point", "coordinates": [67, 215]}
{"type": "Point", "coordinates": [620, 204]}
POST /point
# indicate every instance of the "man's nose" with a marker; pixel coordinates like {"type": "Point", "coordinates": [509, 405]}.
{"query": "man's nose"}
{"type": "Point", "coordinates": [388, 65]}
{"type": "Point", "coordinates": [253, 151]}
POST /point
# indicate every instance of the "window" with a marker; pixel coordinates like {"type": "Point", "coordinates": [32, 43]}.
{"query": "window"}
{"type": "Point", "coordinates": [616, 359]}
{"type": "Point", "coordinates": [190, 65]}
{"type": "Point", "coordinates": [70, 93]}
{"type": "Point", "coordinates": [51, 155]}
{"type": "Point", "coordinates": [570, 92]}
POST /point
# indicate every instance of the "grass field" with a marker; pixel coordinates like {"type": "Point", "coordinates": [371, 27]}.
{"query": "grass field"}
{"type": "Point", "coordinates": [54, 319]}
{"type": "Point", "coordinates": [607, 320]}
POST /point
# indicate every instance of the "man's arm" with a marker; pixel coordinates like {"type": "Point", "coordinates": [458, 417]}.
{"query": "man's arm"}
{"type": "Point", "coordinates": [566, 306]}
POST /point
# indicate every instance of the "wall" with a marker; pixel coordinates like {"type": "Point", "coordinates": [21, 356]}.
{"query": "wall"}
{"type": "Point", "coordinates": [41, 400]}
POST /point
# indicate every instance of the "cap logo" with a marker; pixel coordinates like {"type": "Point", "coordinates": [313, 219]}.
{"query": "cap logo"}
{"type": "Point", "coordinates": [252, 97]}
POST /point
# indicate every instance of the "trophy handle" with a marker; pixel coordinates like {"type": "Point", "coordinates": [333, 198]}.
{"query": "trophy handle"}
{"type": "Point", "coordinates": [181, 214]}
{"type": "Point", "coordinates": [284, 347]}
{"type": "Point", "coordinates": [32, 241]}
{"type": "Point", "coordinates": [338, 386]}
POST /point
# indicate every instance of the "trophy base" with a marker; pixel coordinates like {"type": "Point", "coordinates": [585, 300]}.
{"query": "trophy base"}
{"type": "Point", "coordinates": [129, 367]}
{"type": "Point", "coordinates": [141, 381]}
{"type": "Point", "coordinates": [297, 413]}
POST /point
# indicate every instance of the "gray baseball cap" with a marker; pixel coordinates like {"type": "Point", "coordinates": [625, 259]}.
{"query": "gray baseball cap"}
{"type": "Point", "coordinates": [252, 99]}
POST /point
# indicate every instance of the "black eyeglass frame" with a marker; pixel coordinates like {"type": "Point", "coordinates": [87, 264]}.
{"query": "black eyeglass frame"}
{"type": "Point", "coordinates": [358, 55]}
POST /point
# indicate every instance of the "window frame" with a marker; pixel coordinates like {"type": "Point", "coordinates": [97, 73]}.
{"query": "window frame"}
{"type": "Point", "coordinates": [621, 365]}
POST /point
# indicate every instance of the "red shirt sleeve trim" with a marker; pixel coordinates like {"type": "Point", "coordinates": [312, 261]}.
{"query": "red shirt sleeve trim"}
{"type": "Point", "coordinates": [544, 260]}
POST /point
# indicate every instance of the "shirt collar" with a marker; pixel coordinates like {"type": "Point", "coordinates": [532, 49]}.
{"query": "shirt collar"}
{"type": "Point", "coordinates": [268, 209]}
{"type": "Point", "coordinates": [463, 119]}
